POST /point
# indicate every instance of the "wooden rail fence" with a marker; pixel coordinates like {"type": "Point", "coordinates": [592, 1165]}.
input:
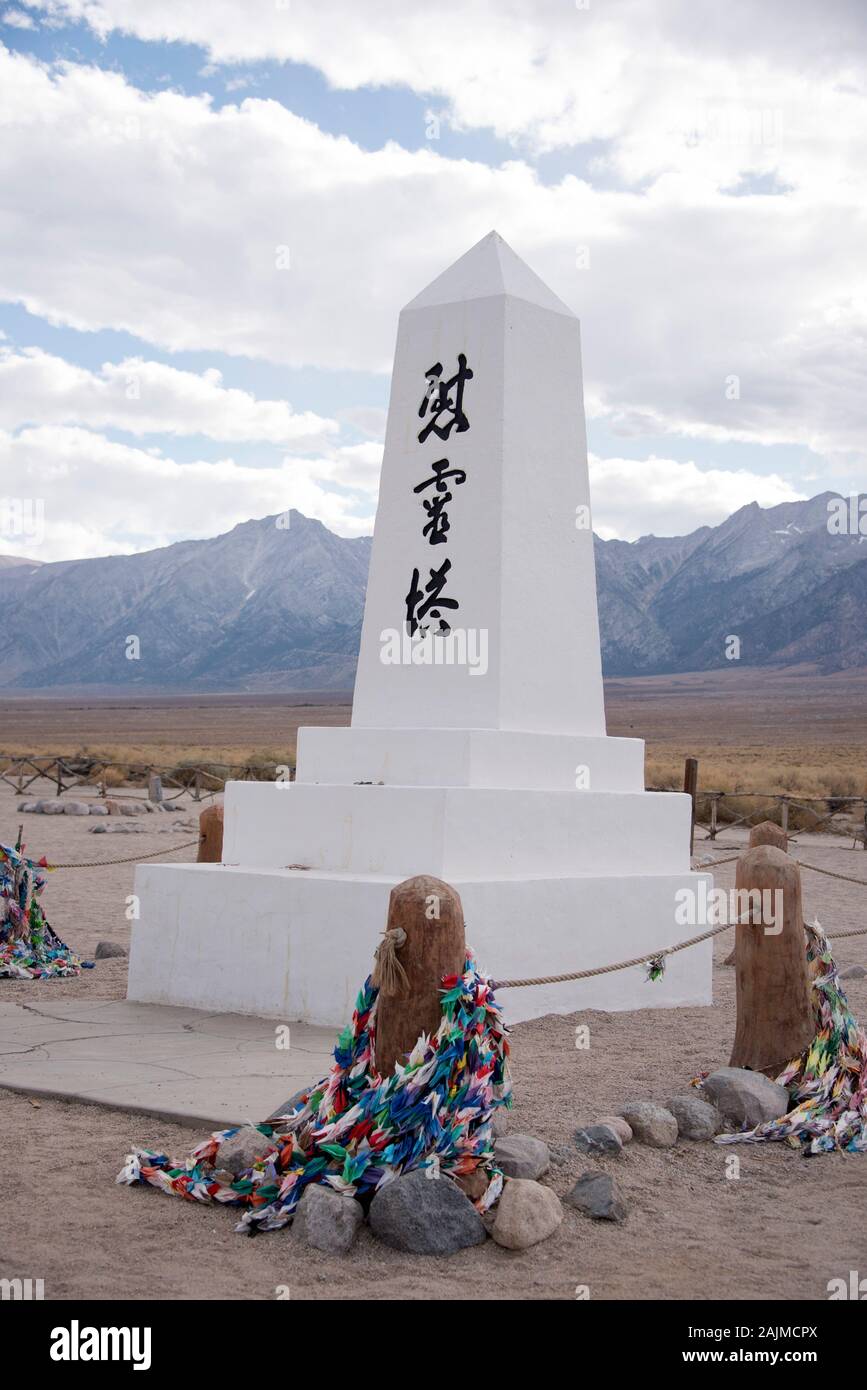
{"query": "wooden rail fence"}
{"type": "Point", "coordinates": [713, 810]}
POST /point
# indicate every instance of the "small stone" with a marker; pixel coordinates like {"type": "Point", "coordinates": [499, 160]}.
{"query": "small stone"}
{"type": "Point", "coordinates": [500, 1124]}
{"type": "Point", "coordinates": [619, 1125]}
{"type": "Point", "coordinates": [854, 972]}
{"type": "Point", "coordinates": [521, 1156]}
{"type": "Point", "coordinates": [133, 808]}
{"type": "Point", "coordinates": [474, 1185]}
{"type": "Point", "coordinates": [76, 808]}
{"type": "Point", "coordinates": [597, 1140]}
{"type": "Point", "coordinates": [328, 1220]}
{"type": "Point", "coordinates": [651, 1124]}
{"type": "Point", "coordinates": [696, 1118]}
{"type": "Point", "coordinates": [97, 809]}
{"type": "Point", "coordinates": [745, 1097]}
{"type": "Point", "coordinates": [98, 829]}
{"type": "Point", "coordinates": [597, 1195]}
{"type": "Point", "coordinates": [241, 1150]}
{"type": "Point", "coordinates": [527, 1212]}
{"type": "Point", "coordinates": [561, 1155]}
{"type": "Point", "coordinates": [105, 949]}
{"type": "Point", "coordinates": [425, 1215]}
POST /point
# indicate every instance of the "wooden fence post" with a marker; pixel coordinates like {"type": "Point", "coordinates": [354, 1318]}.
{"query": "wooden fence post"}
{"type": "Point", "coordinates": [690, 786]}
{"type": "Point", "coordinates": [428, 921]}
{"type": "Point", "coordinates": [774, 1014]}
{"type": "Point", "coordinates": [155, 787]}
{"type": "Point", "coordinates": [211, 835]}
{"type": "Point", "coordinates": [784, 814]}
{"type": "Point", "coordinates": [767, 832]}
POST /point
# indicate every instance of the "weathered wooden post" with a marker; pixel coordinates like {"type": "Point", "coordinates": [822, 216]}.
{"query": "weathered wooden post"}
{"type": "Point", "coordinates": [155, 787]}
{"type": "Point", "coordinates": [774, 1015]}
{"type": "Point", "coordinates": [767, 832]}
{"type": "Point", "coordinates": [211, 835]}
{"type": "Point", "coordinates": [690, 786]}
{"type": "Point", "coordinates": [423, 941]}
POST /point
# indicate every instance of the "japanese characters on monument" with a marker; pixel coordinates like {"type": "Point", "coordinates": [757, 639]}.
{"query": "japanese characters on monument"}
{"type": "Point", "coordinates": [443, 406]}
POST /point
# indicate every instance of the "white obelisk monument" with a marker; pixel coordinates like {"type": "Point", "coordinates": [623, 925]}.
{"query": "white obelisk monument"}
{"type": "Point", "coordinates": [477, 750]}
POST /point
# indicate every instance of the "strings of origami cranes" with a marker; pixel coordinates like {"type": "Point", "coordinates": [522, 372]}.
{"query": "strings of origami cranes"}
{"type": "Point", "coordinates": [30, 949]}
{"type": "Point", "coordinates": [356, 1130]}
{"type": "Point", "coordinates": [827, 1084]}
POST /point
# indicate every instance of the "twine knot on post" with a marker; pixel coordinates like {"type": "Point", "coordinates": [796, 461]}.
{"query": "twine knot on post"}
{"type": "Point", "coordinates": [389, 976]}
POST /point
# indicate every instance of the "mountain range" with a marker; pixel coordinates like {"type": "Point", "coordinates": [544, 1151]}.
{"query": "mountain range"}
{"type": "Point", "coordinates": [275, 607]}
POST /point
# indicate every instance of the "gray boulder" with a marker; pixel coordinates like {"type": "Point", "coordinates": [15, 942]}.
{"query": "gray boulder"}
{"type": "Point", "coordinates": [597, 1140]}
{"type": "Point", "coordinates": [527, 1212]}
{"type": "Point", "coordinates": [696, 1118]}
{"type": "Point", "coordinates": [521, 1156]}
{"type": "Point", "coordinates": [597, 1195]}
{"type": "Point", "coordinates": [97, 809]}
{"type": "Point", "coordinates": [52, 808]}
{"type": "Point", "coordinates": [425, 1215]}
{"type": "Point", "coordinates": [651, 1124]}
{"type": "Point", "coordinates": [76, 808]}
{"type": "Point", "coordinates": [33, 806]}
{"type": "Point", "coordinates": [106, 949]}
{"type": "Point", "coordinates": [327, 1220]}
{"type": "Point", "coordinates": [854, 972]}
{"type": "Point", "coordinates": [240, 1152]}
{"type": "Point", "coordinates": [745, 1097]}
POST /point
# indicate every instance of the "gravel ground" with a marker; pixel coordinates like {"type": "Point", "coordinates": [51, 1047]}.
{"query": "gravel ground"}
{"type": "Point", "coordinates": [782, 1229]}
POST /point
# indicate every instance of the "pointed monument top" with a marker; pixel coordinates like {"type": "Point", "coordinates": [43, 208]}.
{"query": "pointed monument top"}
{"type": "Point", "coordinates": [490, 268]}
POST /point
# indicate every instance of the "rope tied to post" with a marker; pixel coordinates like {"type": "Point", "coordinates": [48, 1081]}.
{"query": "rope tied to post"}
{"type": "Point", "coordinates": [389, 976]}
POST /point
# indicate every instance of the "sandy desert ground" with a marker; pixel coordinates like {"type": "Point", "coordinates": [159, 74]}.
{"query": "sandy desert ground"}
{"type": "Point", "coordinates": [782, 1230]}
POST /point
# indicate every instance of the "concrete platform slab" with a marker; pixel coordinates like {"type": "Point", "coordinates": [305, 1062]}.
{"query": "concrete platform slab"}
{"type": "Point", "coordinates": [203, 1069]}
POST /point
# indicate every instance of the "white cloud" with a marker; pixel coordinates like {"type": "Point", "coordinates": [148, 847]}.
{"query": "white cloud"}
{"type": "Point", "coordinates": [663, 497]}
{"type": "Point", "coordinates": [669, 82]}
{"type": "Point", "coordinates": [18, 19]}
{"type": "Point", "coordinates": [144, 397]}
{"type": "Point", "coordinates": [159, 215]}
{"type": "Point", "coordinates": [98, 497]}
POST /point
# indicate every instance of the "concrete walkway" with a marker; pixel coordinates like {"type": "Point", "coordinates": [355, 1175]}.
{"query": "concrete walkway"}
{"type": "Point", "coordinates": [202, 1069]}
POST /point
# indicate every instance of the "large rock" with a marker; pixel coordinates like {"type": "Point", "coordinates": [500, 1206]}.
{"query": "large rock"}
{"type": "Point", "coordinates": [597, 1195]}
{"type": "Point", "coordinates": [52, 808]}
{"type": "Point", "coordinates": [240, 1152]}
{"type": "Point", "coordinates": [619, 1125]}
{"type": "Point", "coordinates": [521, 1156]}
{"type": "Point", "coordinates": [598, 1139]}
{"type": "Point", "coordinates": [76, 808]}
{"type": "Point", "coordinates": [425, 1215]}
{"type": "Point", "coordinates": [696, 1118]}
{"type": "Point", "coordinates": [33, 806]}
{"type": "Point", "coordinates": [105, 949]}
{"type": "Point", "coordinates": [651, 1124]}
{"type": "Point", "coordinates": [745, 1097]}
{"type": "Point", "coordinates": [854, 972]}
{"type": "Point", "coordinates": [97, 809]}
{"type": "Point", "coordinates": [527, 1212]}
{"type": "Point", "coordinates": [328, 1220]}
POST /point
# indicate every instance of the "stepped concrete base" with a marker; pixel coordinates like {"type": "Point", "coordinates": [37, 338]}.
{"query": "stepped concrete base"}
{"type": "Point", "coordinates": [292, 944]}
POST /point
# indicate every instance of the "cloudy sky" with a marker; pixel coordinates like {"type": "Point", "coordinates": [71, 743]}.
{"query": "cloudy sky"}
{"type": "Point", "coordinates": [212, 212]}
